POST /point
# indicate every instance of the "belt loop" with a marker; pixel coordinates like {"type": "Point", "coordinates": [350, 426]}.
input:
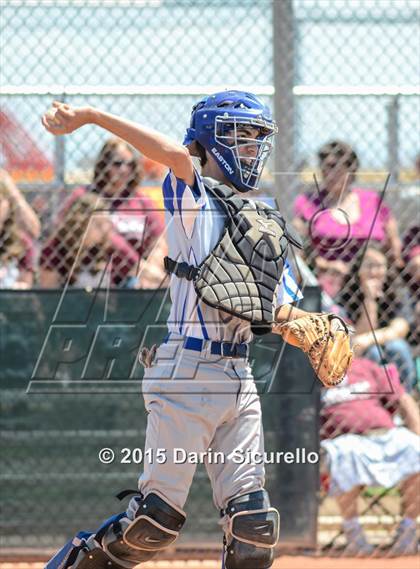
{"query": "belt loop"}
{"type": "Point", "coordinates": [206, 351]}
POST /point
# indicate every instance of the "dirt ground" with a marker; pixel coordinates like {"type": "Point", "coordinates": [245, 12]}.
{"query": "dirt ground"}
{"type": "Point", "coordinates": [285, 562]}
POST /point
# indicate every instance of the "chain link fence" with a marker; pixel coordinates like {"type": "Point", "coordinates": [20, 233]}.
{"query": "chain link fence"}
{"type": "Point", "coordinates": [342, 79]}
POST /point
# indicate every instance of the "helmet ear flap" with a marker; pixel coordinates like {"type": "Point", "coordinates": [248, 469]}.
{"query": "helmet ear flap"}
{"type": "Point", "coordinates": [193, 149]}
{"type": "Point", "coordinates": [196, 149]}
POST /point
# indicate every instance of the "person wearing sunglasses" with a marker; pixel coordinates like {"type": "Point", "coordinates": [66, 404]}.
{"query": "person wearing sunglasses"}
{"type": "Point", "coordinates": [117, 177]}
{"type": "Point", "coordinates": [338, 216]}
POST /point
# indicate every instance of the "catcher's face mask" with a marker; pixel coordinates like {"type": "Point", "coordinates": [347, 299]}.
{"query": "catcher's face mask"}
{"type": "Point", "coordinates": [250, 144]}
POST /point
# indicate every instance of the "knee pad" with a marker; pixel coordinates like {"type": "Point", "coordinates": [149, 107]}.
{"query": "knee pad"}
{"type": "Point", "coordinates": [251, 532]}
{"type": "Point", "coordinates": [156, 526]}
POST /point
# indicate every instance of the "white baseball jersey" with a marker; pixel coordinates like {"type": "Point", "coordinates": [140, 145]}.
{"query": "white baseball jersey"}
{"type": "Point", "coordinates": [195, 223]}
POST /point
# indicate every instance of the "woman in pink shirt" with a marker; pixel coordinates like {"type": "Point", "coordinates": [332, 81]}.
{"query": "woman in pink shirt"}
{"type": "Point", "coordinates": [339, 217]}
{"type": "Point", "coordinates": [117, 177]}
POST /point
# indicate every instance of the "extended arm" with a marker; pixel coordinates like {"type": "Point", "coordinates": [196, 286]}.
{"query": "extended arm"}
{"type": "Point", "coordinates": [64, 119]}
{"type": "Point", "coordinates": [397, 328]}
{"type": "Point", "coordinates": [287, 312]}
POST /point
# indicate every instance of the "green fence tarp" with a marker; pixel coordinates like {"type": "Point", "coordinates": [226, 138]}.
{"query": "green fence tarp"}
{"type": "Point", "coordinates": [71, 385]}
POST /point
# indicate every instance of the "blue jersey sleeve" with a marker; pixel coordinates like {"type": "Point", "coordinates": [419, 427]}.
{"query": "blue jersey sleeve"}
{"type": "Point", "coordinates": [288, 290]}
{"type": "Point", "coordinates": [178, 196]}
{"type": "Point", "coordinates": [183, 201]}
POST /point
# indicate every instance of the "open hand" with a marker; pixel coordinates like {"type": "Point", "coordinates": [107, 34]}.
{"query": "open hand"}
{"type": "Point", "coordinates": [63, 119]}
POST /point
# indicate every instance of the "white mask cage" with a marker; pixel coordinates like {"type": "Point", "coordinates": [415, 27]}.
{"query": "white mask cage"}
{"type": "Point", "coordinates": [249, 153]}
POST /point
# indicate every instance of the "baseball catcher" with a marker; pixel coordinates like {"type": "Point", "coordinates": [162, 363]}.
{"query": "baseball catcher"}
{"type": "Point", "coordinates": [229, 280]}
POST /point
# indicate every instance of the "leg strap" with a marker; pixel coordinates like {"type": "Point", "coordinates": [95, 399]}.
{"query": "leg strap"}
{"type": "Point", "coordinates": [82, 552]}
{"type": "Point", "coordinates": [124, 540]}
{"type": "Point", "coordinates": [97, 559]}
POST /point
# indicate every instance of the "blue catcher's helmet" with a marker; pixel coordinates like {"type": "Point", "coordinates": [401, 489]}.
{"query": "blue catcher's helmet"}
{"type": "Point", "coordinates": [222, 123]}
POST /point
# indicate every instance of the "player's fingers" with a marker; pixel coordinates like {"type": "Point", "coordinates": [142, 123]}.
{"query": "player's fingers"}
{"type": "Point", "coordinates": [64, 108]}
{"type": "Point", "coordinates": [61, 108]}
{"type": "Point", "coordinates": [44, 122]}
{"type": "Point", "coordinates": [52, 117]}
{"type": "Point", "coordinates": [53, 128]}
{"type": "Point", "coordinates": [46, 125]}
{"type": "Point", "coordinates": [63, 118]}
{"type": "Point", "coordinates": [64, 114]}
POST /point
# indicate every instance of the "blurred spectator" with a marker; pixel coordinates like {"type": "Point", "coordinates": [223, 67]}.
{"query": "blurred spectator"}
{"type": "Point", "coordinates": [17, 261]}
{"type": "Point", "coordinates": [376, 303]}
{"type": "Point", "coordinates": [411, 255]}
{"type": "Point", "coordinates": [411, 275]}
{"type": "Point", "coordinates": [364, 447]}
{"type": "Point", "coordinates": [411, 190]}
{"type": "Point", "coordinates": [118, 173]}
{"type": "Point", "coordinates": [339, 217]}
{"type": "Point", "coordinates": [331, 275]}
{"type": "Point", "coordinates": [84, 247]}
{"type": "Point", "coordinates": [25, 215]}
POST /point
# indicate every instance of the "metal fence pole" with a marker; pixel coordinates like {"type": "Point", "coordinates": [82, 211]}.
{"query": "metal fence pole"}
{"type": "Point", "coordinates": [59, 165]}
{"type": "Point", "coordinates": [392, 127]}
{"type": "Point", "coordinates": [284, 77]}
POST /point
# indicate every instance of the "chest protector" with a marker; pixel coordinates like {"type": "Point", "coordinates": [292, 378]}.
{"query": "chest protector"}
{"type": "Point", "coordinates": [241, 275]}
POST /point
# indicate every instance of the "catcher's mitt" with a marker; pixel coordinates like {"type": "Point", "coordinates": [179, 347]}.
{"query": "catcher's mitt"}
{"type": "Point", "coordinates": [325, 338]}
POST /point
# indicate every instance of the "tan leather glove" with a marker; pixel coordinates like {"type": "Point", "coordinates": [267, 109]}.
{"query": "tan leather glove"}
{"type": "Point", "coordinates": [326, 340]}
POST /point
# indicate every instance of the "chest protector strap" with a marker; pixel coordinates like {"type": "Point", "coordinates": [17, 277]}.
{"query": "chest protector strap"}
{"type": "Point", "coordinates": [241, 275]}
